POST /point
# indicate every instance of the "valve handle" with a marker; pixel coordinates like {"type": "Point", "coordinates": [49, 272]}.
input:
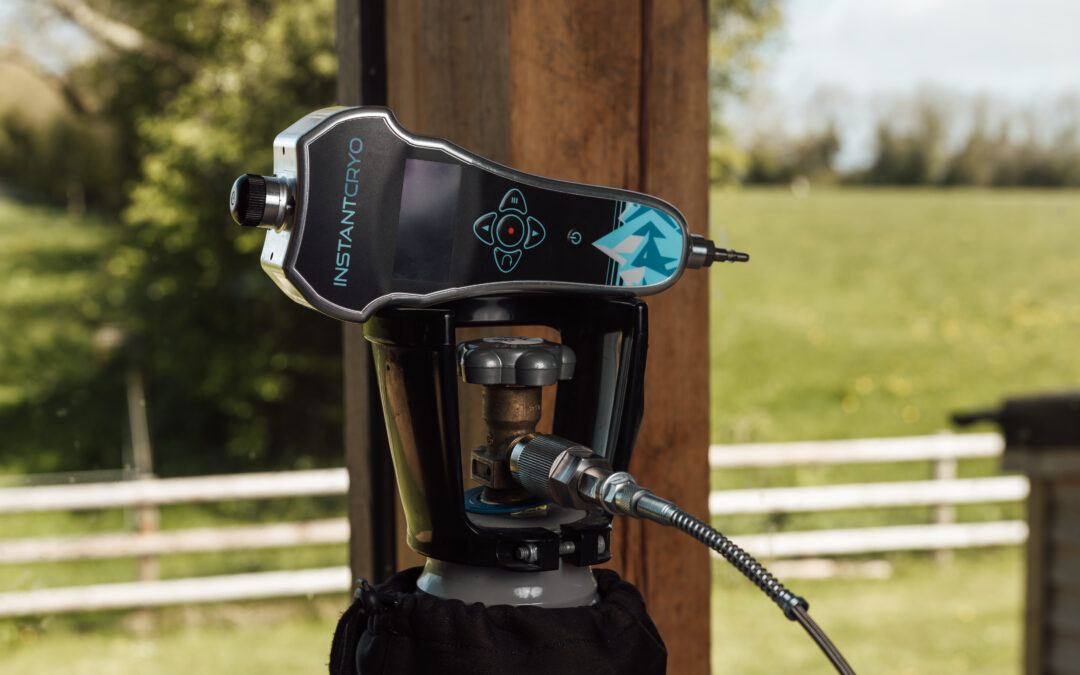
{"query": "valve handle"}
{"type": "Point", "coordinates": [523, 361]}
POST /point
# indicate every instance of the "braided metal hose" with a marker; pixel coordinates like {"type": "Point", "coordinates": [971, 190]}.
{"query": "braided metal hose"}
{"type": "Point", "coordinates": [793, 606]}
{"type": "Point", "coordinates": [743, 561]}
{"type": "Point", "coordinates": [572, 475]}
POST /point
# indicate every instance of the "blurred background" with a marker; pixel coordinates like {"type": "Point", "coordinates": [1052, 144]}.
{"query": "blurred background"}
{"type": "Point", "coordinates": [904, 175]}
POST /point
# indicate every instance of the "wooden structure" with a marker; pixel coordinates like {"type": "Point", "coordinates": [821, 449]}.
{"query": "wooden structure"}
{"type": "Point", "coordinates": [611, 92]}
{"type": "Point", "coordinates": [1052, 614]}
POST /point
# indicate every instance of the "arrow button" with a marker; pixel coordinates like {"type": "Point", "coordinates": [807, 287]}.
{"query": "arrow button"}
{"type": "Point", "coordinates": [506, 260]}
{"type": "Point", "coordinates": [483, 228]}
{"type": "Point", "coordinates": [536, 232]}
{"type": "Point", "coordinates": [513, 200]}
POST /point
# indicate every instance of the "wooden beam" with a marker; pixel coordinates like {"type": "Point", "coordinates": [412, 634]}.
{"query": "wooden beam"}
{"type": "Point", "coordinates": [611, 92]}
{"type": "Point", "coordinates": [448, 71]}
{"type": "Point", "coordinates": [361, 50]}
{"type": "Point", "coordinates": [672, 451]}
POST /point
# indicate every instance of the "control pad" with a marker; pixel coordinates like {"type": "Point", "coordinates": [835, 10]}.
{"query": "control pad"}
{"type": "Point", "coordinates": [510, 230]}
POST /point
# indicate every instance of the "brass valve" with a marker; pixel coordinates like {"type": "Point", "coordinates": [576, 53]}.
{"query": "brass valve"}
{"type": "Point", "coordinates": [512, 371]}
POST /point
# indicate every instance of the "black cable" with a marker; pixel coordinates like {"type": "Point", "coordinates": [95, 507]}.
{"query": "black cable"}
{"type": "Point", "coordinates": [823, 641]}
{"type": "Point", "coordinates": [793, 606]}
{"type": "Point", "coordinates": [555, 468]}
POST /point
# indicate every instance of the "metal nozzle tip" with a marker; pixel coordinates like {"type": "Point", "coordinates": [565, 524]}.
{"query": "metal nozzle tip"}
{"type": "Point", "coordinates": [728, 255]}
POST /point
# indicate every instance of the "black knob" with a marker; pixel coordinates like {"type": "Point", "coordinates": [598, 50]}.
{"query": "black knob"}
{"type": "Point", "coordinates": [530, 362]}
{"type": "Point", "coordinates": [247, 201]}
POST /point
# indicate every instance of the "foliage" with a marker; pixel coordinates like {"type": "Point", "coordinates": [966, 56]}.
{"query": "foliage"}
{"type": "Point", "coordinates": [931, 140]}
{"type": "Point", "coordinates": [1012, 155]}
{"type": "Point", "coordinates": [63, 160]}
{"type": "Point", "coordinates": [237, 373]}
{"type": "Point", "coordinates": [772, 160]}
{"type": "Point", "coordinates": [255, 375]}
{"type": "Point", "coordinates": [908, 159]}
{"type": "Point", "coordinates": [737, 31]}
{"type": "Point", "coordinates": [57, 292]}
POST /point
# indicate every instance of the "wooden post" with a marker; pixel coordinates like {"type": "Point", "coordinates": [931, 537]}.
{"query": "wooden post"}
{"type": "Point", "coordinates": [610, 92]}
{"type": "Point", "coordinates": [944, 514]}
{"type": "Point", "coordinates": [146, 515]}
{"type": "Point", "coordinates": [1052, 602]}
{"type": "Point", "coordinates": [672, 452]}
{"type": "Point", "coordinates": [372, 500]}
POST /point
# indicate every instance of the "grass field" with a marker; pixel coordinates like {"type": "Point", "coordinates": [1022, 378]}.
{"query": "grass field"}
{"type": "Point", "coordinates": [862, 313]}
{"type": "Point", "coordinates": [879, 312]}
{"type": "Point", "coordinates": [283, 638]}
{"type": "Point", "coordinates": [960, 618]}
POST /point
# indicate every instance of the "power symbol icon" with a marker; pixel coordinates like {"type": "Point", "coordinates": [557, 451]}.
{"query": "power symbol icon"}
{"type": "Point", "coordinates": [574, 237]}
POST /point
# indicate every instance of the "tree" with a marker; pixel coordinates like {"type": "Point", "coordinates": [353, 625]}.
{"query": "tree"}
{"type": "Point", "coordinates": [193, 93]}
{"type": "Point", "coordinates": [265, 372]}
{"type": "Point", "coordinates": [911, 158]}
{"type": "Point", "coordinates": [738, 29]}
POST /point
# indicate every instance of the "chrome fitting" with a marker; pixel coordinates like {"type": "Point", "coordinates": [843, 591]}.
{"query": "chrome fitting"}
{"type": "Point", "coordinates": [261, 201]}
{"type": "Point", "coordinates": [558, 470]}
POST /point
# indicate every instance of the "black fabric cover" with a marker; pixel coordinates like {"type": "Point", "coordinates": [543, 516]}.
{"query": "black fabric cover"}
{"type": "Point", "coordinates": [400, 631]}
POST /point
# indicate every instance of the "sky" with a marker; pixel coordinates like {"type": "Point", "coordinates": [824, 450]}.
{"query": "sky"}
{"type": "Point", "coordinates": [857, 56]}
{"type": "Point", "coordinates": [53, 44]}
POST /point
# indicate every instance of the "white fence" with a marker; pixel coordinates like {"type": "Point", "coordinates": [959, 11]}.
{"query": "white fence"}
{"type": "Point", "coordinates": [159, 491]}
{"type": "Point", "coordinates": [943, 492]}
{"type": "Point", "coordinates": [149, 493]}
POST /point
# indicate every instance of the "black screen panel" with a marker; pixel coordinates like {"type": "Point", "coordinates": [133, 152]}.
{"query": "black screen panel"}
{"type": "Point", "coordinates": [425, 232]}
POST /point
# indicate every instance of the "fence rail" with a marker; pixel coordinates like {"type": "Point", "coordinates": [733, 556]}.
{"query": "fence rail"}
{"type": "Point", "coordinates": [868, 495]}
{"type": "Point", "coordinates": [945, 491]}
{"type": "Point", "coordinates": [943, 446]}
{"type": "Point", "coordinates": [884, 539]}
{"type": "Point", "coordinates": [197, 540]}
{"type": "Point", "coordinates": [227, 588]}
{"type": "Point", "coordinates": [175, 491]}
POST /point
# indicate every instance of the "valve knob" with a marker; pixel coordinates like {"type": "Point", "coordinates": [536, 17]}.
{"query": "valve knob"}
{"type": "Point", "coordinates": [259, 201]}
{"type": "Point", "coordinates": [524, 361]}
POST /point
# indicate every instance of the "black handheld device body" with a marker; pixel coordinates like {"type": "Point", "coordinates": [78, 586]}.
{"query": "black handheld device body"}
{"type": "Point", "coordinates": [362, 214]}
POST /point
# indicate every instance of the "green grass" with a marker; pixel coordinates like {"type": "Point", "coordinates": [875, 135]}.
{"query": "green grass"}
{"type": "Point", "coordinates": [870, 313]}
{"type": "Point", "coordinates": [267, 637]}
{"type": "Point", "coordinates": [879, 312]}
{"type": "Point", "coordinates": [962, 617]}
